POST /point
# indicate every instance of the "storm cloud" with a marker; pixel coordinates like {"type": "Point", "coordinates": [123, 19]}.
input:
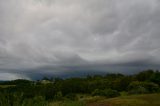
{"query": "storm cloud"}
{"type": "Point", "coordinates": [66, 36]}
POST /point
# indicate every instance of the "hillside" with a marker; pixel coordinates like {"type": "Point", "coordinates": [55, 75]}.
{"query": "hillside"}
{"type": "Point", "coordinates": [89, 91]}
{"type": "Point", "coordinates": [134, 100]}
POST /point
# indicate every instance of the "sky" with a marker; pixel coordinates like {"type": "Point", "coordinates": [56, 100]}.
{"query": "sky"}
{"type": "Point", "coordinates": [76, 37]}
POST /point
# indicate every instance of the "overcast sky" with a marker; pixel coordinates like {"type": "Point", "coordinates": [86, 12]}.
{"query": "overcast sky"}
{"type": "Point", "coordinates": [76, 36]}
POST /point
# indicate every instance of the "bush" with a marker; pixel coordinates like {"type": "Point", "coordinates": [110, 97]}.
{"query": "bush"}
{"type": "Point", "coordinates": [107, 93]}
{"type": "Point", "coordinates": [111, 93]}
{"type": "Point", "coordinates": [8, 99]}
{"type": "Point", "coordinates": [97, 92]}
{"type": "Point", "coordinates": [151, 87]}
{"type": "Point", "coordinates": [138, 90]}
{"type": "Point", "coordinates": [71, 96]}
{"type": "Point", "coordinates": [58, 96]}
{"type": "Point", "coordinates": [137, 87]}
{"type": "Point", "coordinates": [36, 101]}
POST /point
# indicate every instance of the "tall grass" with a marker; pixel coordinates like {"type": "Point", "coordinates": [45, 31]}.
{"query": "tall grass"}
{"type": "Point", "coordinates": [134, 100]}
{"type": "Point", "coordinates": [68, 103]}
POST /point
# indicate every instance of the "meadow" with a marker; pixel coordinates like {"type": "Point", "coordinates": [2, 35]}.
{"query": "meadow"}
{"type": "Point", "coordinates": [134, 100]}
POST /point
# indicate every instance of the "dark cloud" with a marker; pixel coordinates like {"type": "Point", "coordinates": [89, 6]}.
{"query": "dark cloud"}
{"type": "Point", "coordinates": [60, 37]}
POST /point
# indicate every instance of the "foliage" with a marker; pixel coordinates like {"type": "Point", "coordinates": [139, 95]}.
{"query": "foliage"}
{"type": "Point", "coordinates": [58, 96]}
{"type": "Point", "coordinates": [137, 87]}
{"type": "Point", "coordinates": [107, 93]}
{"type": "Point", "coordinates": [68, 103]}
{"type": "Point", "coordinates": [71, 96]}
{"type": "Point", "coordinates": [27, 93]}
{"type": "Point", "coordinates": [111, 93]}
{"type": "Point", "coordinates": [132, 100]}
{"type": "Point", "coordinates": [36, 101]}
{"type": "Point", "coordinates": [97, 92]}
{"type": "Point", "coordinates": [155, 77]}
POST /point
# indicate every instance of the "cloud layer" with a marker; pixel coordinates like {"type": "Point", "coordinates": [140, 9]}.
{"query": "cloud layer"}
{"type": "Point", "coordinates": [78, 35]}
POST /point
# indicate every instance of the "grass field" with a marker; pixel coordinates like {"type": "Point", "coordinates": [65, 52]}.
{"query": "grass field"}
{"type": "Point", "coordinates": [134, 100]}
{"type": "Point", "coordinates": [6, 86]}
{"type": "Point", "coordinates": [68, 103]}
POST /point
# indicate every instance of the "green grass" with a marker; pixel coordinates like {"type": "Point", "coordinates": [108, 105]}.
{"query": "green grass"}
{"type": "Point", "coordinates": [134, 100]}
{"type": "Point", "coordinates": [68, 103]}
{"type": "Point", "coordinates": [6, 86]}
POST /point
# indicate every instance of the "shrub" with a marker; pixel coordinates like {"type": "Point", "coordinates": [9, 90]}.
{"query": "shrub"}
{"type": "Point", "coordinates": [151, 87]}
{"type": "Point", "coordinates": [138, 90]}
{"type": "Point", "coordinates": [97, 92]}
{"type": "Point", "coordinates": [58, 96]}
{"type": "Point", "coordinates": [137, 87]}
{"type": "Point", "coordinates": [110, 93]}
{"type": "Point", "coordinates": [71, 96]}
{"type": "Point", "coordinates": [107, 93]}
{"type": "Point", "coordinates": [36, 101]}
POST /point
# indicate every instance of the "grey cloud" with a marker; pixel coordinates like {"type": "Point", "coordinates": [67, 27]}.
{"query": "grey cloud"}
{"type": "Point", "coordinates": [36, 34]}
{"type": "Point", "coordinates": [11, 76]}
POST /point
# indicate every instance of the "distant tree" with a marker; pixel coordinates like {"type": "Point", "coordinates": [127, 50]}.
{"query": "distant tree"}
{"type": "Point", "coordinates": [46, 78]}
{"type": "Point", "coordinates": [145, 75]}
{"type": "Point", "coordinates": [155, 77]}
{"type": "Point", "coordinates": [143, 87]}
{"type": "Point", "coordinates": [107, 93]}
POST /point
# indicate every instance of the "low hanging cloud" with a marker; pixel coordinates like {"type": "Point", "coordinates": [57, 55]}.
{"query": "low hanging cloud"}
{"type": "Point", "coordinates": [12, 76]}
{"type": "Point", "coordinates": [61, 36]}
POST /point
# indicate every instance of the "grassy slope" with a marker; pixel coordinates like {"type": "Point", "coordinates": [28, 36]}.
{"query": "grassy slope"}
{"type": "Point", "coordinates": [6, 86]}
{"type": "Point", "coordinates": [68, 103]}
{"type": "Point", "coordinates": [135, 100]}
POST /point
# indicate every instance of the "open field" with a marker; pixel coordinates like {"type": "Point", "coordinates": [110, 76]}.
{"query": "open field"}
{"type": "Point", "coordinates": [134, 100]}
{"type": "Point", "coordinates": [6, 86]}
{"type": "Point", "coordinates": [68, 103]}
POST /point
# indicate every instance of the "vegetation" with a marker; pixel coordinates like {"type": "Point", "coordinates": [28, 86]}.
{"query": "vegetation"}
{"type": "Point", "coordinates": [106, 92]}
{"type": "Point", "coordinates": [78, 91]}
{"type": "Point", "coordinates": [134, 100]}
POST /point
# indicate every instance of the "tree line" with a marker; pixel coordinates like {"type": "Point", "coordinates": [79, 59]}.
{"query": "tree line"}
{"type": "Point", "coordinates": [39, 93]}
